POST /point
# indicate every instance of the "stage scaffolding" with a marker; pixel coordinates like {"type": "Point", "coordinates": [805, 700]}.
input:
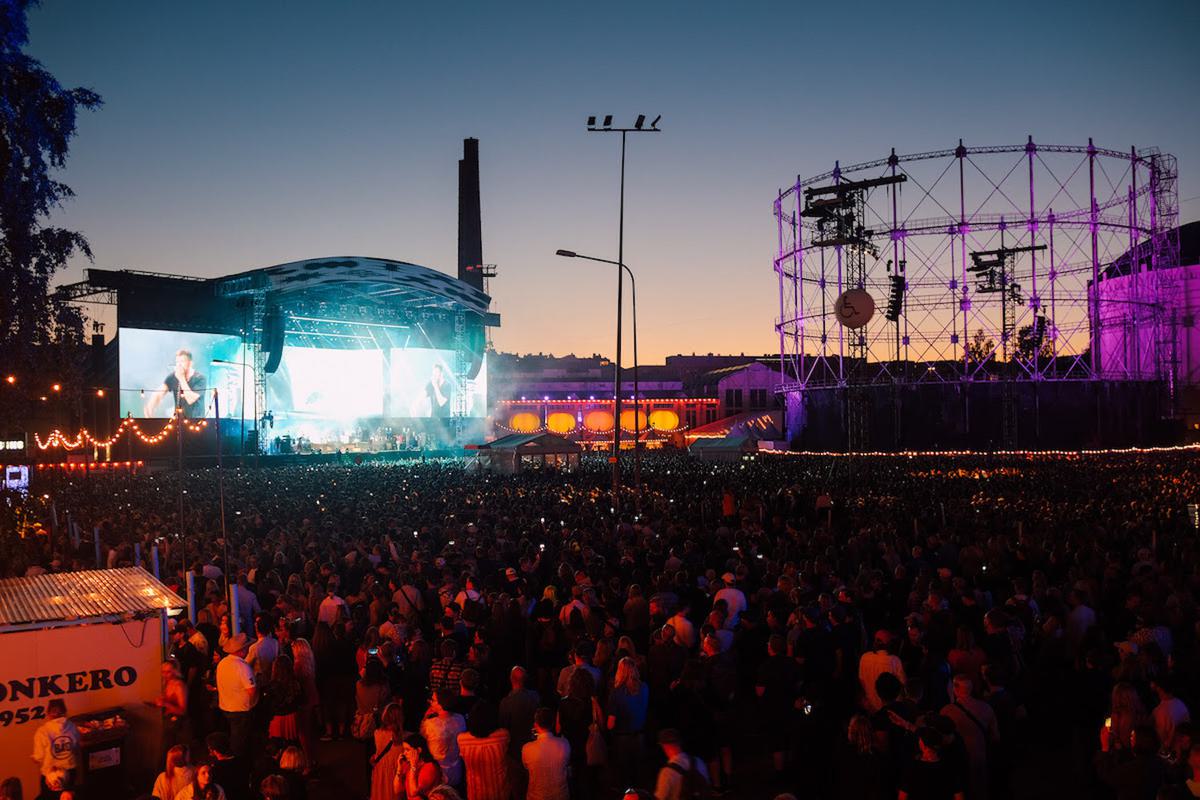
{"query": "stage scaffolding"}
{"type": "Point", "coordinates": [990, 258]}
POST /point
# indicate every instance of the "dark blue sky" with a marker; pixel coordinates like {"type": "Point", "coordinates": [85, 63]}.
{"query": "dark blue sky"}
{"type": "Point", "coordinates": [244, 134]}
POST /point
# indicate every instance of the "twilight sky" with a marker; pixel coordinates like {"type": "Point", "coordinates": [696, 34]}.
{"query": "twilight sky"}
{"type": "Point", "coordinates": [244, 134]}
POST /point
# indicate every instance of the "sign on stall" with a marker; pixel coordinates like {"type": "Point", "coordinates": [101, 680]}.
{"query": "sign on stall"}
{"type": "Point", "coordinates": [90, 668]}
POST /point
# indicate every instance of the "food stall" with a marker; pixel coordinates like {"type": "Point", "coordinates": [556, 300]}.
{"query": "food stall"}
{"type": "Point", "coordinates": [95, 640]}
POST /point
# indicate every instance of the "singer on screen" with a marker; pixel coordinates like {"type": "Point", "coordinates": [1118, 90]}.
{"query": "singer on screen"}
{"type": "Point", "coordinates": [438, 392]}
{"type": "Point", "coordinates": [185, 384]}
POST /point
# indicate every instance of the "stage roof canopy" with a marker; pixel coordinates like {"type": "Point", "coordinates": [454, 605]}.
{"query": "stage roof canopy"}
{"type": "Point", "coordinates": [347, 288]}
{"type": "Point", "coordinates": [359, 279]}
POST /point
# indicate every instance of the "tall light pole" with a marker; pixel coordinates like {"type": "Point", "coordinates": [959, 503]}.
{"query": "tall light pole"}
{"type": "Point", "coordinates": [637, 425]}
{"type": "Point", "coordinates": [606, 126]}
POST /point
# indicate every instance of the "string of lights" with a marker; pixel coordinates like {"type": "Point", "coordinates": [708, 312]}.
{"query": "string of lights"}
{"type": "Point", "coordinates": [543, 428]}
{"type": "Point", "coordinates": [57, 438]}
{"type": "Point", "coordinates": [994, 453]}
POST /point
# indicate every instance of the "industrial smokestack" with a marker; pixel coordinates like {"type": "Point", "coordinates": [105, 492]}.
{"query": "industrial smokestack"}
{"type": "Point", "coordinates": [470, 225]}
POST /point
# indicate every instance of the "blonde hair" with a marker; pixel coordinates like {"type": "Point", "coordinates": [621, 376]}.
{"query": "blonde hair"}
{"type": "Point", "coordinates": [177, 757]}
{"type": "Point", "coordinates": [392, 718]}
{"type": "Point", "coordinates": [305, 662]}
{"type": "Point", "coordinates": [860, 735]}
{"type": "Point", "coordinates": [627, 676]}
{"type": "Point", "coordinates": [1127, 712]}
{"type": "Point", "coordinates": [292, 758]}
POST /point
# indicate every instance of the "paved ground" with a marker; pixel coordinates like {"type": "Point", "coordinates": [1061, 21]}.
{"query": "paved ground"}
{"type": "Point", "coordinates": [342, 774]}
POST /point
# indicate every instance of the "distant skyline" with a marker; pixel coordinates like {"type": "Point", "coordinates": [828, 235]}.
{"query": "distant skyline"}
{"type": "Point", "coordinates": [242, 135]}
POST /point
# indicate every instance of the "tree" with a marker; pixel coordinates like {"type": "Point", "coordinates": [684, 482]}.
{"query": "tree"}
{"type": "Point", "coordinates": [981, 347]}
{"type": "Point", "coordinates": [38, 332]}
{"type": "Point", "coordinates": [1027, 343]}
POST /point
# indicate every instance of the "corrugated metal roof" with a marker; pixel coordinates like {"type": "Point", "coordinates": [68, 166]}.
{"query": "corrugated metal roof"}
{"type": "Point", "coordinates": [86, 595]}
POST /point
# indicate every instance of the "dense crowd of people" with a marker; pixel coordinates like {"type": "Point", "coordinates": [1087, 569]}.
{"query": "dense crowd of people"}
{"type": "Point", "coordinates": [888, 627]}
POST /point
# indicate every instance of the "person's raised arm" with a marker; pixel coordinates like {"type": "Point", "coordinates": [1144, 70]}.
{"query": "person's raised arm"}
{"type": "Point", "coordinates": [151, 405]}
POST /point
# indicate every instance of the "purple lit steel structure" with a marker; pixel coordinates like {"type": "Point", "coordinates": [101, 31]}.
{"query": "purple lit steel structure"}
{"type": "Point", "coordinates": [997, 249]}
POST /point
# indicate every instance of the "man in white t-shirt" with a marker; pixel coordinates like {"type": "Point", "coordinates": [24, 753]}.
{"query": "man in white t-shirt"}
{"type": "Point", "coordinates": [734, 599]}
{"type": "Point", "coordinates": [672, 779]}
{"type": "Point", "coordinates": [874, 663]}
{"type": "Point", "coordinates": [333, 608]}
{"type": "Point", "coordinates": [237, 693]}
{"type": "Point", "coordinates": [394, 628]}
{"type": "Point", "coordinates": [408, 599]}
{"type": "Point", "coordinates": [262, 654]}
{"type": "Point", "coordinates": [685, 631]}
{"type": "Point", "coordinates": [1170, 713]}
{"type": "Point", "coordinates": [56, 746]}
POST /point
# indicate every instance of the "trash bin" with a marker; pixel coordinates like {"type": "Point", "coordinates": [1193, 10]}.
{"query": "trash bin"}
{"type": "Point", "coordinates": [102, 736]}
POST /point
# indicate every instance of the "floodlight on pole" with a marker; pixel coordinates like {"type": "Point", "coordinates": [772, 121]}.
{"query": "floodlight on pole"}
{"type": "Point", "coordinates": [636, 398]}
{"type": "Point", "coordinates": [616, 455]}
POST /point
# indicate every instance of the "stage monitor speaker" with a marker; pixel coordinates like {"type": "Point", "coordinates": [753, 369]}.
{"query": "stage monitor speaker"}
{"type": "Point", "coordinates": [272, 340]}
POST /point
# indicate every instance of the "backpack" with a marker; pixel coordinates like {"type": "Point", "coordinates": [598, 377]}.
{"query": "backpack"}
{"type": "Point", "coordinates": [695, 785]}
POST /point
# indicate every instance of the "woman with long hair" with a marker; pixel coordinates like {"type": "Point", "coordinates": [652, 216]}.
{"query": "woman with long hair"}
{"type": "Point", "coordinates": [176, 775]}
{"type": "Point", "coordinates": [862, 770]}
{"type": "Point", "coordinates": [201, 786]}
{"type": "Point", "coordinates": [417, 773]}
{"type": "Point", "coordinates": [389, 741]}
{"type": "Point", "coordinates": [371, 692]}
{"type": "Point", "coordinates": [483, 748]}
{"type": "Point", "coordinates": [306, 672]}
{"type": "Point", "coordinates": [1127, 713]}
{"type": "Point", "coordinates": [283, 695]}
{"type": "Point", "coordinates": [628, 704]}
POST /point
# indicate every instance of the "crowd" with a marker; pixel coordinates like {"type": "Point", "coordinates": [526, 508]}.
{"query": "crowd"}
{"type": "Point", "coordinates": [971, 627]}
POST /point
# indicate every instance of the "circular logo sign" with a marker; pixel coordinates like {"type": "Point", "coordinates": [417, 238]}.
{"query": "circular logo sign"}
{"type": "Point", "coordinates": [854, 308]}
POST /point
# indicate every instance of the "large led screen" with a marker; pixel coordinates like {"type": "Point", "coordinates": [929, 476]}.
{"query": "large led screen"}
{"type": "Point", "coordinates": [421, 383]}
{"type": "Point", "coordinates": [159, 366]}
{"type": "Point", "coordinates": [316, 393]}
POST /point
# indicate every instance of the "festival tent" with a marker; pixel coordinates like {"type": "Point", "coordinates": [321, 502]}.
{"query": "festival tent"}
{"type": "Point", "coordinates": [519, 452]}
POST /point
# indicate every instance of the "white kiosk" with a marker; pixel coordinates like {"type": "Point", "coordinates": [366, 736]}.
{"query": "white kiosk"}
{"type": "Point", "coordinates": [95, 640]}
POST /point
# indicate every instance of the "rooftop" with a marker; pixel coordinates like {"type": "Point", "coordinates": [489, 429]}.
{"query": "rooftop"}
{"type": "Point", "coordinates": [91, 595]}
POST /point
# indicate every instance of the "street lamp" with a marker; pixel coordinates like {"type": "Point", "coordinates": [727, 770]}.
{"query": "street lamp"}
{"type": "Point", "coordinates": [606, 127]}
{"type": "Point", "coordinates": [637, 425]}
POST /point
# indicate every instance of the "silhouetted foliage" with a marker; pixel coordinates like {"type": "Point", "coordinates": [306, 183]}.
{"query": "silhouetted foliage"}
{"type": "Point", "coordinates": [981, 347]}
{"type": "Point", "coordinates": [39, 336]}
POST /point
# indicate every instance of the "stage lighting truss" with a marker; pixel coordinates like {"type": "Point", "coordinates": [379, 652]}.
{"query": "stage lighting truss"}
{"type": "Point", "coordinates": [1001, 248]}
